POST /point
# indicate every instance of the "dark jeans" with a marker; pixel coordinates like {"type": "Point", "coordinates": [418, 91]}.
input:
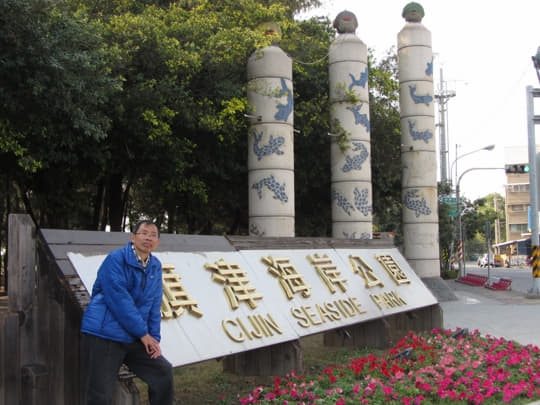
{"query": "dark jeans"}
{"type": "Point", "coordinates": [101, 359]}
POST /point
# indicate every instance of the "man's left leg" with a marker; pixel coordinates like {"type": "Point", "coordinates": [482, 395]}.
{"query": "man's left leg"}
{"type": "Point", "coordinates": [157, 373]}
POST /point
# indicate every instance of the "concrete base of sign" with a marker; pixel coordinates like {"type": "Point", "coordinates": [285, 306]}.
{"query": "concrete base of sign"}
{"type": "Point", "coordinates": [277, 359]}
{"type": "Point", "coordinates": [385, 332]}
{"type": "Point", "coordinates": [126, 393]}
{"type": "Point", "coordinates": [439, 289]}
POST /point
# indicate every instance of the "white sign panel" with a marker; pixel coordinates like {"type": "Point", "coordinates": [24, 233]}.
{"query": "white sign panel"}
{"type": "Point", "coordinates": [221, 303]}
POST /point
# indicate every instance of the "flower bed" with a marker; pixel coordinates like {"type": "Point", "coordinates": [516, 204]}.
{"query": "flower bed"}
{"type": "Point", "coordinates": [437, 367]}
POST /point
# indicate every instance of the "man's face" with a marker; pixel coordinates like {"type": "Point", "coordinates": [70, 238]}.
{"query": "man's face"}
{"type": "Point", "coordinates": [146, 239]}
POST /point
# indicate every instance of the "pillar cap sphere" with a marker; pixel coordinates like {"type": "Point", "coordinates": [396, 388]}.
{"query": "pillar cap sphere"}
{"type": "Point", "coordinates": [272, 30]}
{"type": "Point", "coordinates": [413, 12]}
{"type": "Point", "coordinates": [346, 22]}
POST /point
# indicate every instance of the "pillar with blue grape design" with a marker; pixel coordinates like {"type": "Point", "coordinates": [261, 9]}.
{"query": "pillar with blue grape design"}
{"type": "Point", "coordinates": [271, 143]}
{"type": "Point", "coordinates": [351, 191]}
{"type": "Point", "coordinates": [419, 157]}
{"type": "Point", "coordinates": [270, 180]}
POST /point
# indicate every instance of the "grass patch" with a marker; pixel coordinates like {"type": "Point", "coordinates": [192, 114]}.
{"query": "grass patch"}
{"type": "Point", "coordinates": [449, 274]}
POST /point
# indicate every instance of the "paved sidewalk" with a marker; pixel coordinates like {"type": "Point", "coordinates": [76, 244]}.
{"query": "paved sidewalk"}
{"type": "Point", "coordinates": [508, 314]}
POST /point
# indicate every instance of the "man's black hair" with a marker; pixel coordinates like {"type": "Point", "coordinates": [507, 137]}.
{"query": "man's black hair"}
{"type": "Point", "coordinates": [145, 222]}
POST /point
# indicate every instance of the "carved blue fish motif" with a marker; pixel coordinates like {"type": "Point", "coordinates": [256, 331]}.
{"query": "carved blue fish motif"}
{"type": "Point", "coordinates": [273, 185]}
{"type": "Point", "coordinates": [361, 82]}
{"type": "Point", "coordinates": [419, 135]}
{"type": "Point", "coordinates": [273, 145]}
{"type": "Point", "coordinates": [355, 162]}
{"type": "Point", "coordinates": [418, 205]}
{"type": "Point", "coordinates": [284, 110]}
{"type": "Point", "coordinates": [360, 119]}
{"type": "Point", "coordinates": [425, 99]}
{"type": "Point", "coordinates": [429, 68]}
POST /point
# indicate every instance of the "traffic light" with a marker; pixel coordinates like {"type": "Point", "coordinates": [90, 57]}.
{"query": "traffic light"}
{"type": "Point", "coordinates": [517, 168]}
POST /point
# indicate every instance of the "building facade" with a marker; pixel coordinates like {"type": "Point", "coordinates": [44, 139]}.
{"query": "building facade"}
{"type": "Point", "coordinates": [518, 197]}
{"type": "Point", "coordinates": [517, 205]}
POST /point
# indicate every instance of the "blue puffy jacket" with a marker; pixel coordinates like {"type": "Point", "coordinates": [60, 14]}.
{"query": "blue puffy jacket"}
{"type": "Point", "coordinates": [126, 299]}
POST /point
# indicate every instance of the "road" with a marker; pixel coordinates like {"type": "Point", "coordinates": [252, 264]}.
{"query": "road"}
{"type": "Point", "coordinates": [510, 314]}
{"type": "Point", "coordinates": [521, 276]}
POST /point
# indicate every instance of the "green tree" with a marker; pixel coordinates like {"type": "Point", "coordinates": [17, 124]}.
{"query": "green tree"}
{"type": "Point", "coordinates": [447, 228]}
{"type": "Point", "coordinates": [167, 105]}
{"type": "Point", "coordinates": [481, 212]}
{"type": "Point", "coordinates": [386, 144]}
{"type": "Point", "coordinates": [55, 82]}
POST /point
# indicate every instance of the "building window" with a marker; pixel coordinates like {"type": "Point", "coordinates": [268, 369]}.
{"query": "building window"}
{"type": "Point", "coordinates": [518, 207]}
{"type": "Point", "coordinates": [518, 188]}
{"type": "Point", "coordinates": [521, 228]}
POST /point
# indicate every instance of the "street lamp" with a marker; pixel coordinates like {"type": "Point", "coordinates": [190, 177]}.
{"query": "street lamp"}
{"type": "Point", "coordinates": [458, 209]}
{"type": "Point", "coordinates": [460, 242]}
{"type": "Point", "coordinates": [489, 147]}
{"type": "Point", "coordinates": [536, 62]}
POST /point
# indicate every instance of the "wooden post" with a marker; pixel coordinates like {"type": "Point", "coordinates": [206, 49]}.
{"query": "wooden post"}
{"type": "Point", "coordinates": [21, 299]}
{"type": "Point", "coordinates": [22, 278]}
{"type": "Point", "coordinates": [10, 375]}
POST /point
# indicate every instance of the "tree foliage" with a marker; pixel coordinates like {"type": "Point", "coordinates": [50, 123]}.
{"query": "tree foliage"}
{"type": "Point", "coordinates": [127, 108]}
{"type": "Point", "coordinates": [54, 85]}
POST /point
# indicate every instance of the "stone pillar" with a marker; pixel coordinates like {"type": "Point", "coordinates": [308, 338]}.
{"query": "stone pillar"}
{"type": "Point", "coordinates": [271, 143]}
{"type": "Point", "coordinates": [419, 157]}
{"type": "Point", "coordinates": [271, 184]}
{"type": "Point", "coordinates": [350, 153]}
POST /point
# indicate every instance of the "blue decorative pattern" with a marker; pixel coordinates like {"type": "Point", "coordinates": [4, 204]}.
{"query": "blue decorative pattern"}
{"type": "Point", "coordinates": [273, 185]}
{"type": "Point", "coordinates": [360, 118]}
{"type": "Point", "coordinates": [425, 99]}
{"type": "Point", "coordinates": [361, 82]}
{"type": "Point", "coordinates": [342, 202]}
{"type": "Point", "coordinates": [418, 205]}
{"type": "Point", "coordinates": [361, 201]}
{"type": "Point", "coordinates": [254, 230]}
{"type": "Point", "coordinates": [419, 135]}
{"type": "Point", "coordinates": [272, 146]}
{"type": "Point", "coordinates": [364, 235]}
{"type": "Point", "coordinates": [284, 110]}
{"type": "Point", "coordinates": [429, 68]}
{"type": "Point", "coordinates": [355, 162]}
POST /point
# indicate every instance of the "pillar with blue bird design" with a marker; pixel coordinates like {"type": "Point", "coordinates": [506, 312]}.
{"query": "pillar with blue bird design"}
{"type": "Point", "coordinates": [271, 143]}
{"type": "Point", "coordinates": [418, 145]}
{"type": "Point", "coordinates": [351, 190]}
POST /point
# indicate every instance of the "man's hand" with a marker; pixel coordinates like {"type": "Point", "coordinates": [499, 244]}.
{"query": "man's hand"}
{"type": "Point", "coordinates": [151, 345]}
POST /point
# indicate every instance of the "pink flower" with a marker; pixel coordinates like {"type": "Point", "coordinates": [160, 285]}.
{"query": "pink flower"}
{"type": "Point", "coordinates": [448, 371]}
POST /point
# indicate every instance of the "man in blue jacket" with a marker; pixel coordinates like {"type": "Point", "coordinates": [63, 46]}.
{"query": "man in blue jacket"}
{"type": "Point", "coordinates": [122, 322]}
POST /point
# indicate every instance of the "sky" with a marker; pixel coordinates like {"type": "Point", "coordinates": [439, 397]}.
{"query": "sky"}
{"type": "Point", "coordinates": [484, 50]}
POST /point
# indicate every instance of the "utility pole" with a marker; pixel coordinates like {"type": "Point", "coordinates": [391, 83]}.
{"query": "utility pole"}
{"type": "Point", "coordinates": [442, 98]}
{"type": "Point", "coordinates": [532, 119]}
{"type": "Point", "coordinates": [497, 222]}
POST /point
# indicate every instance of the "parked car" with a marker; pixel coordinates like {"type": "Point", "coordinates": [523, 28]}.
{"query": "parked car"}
{"type": "Point", "coordinates": [483, 260]}
{"type": "Point", "coordinates": [494, 260]}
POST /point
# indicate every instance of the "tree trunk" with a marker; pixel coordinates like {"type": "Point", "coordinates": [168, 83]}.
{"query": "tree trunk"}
{"type": "Point", "coordinates": [116, 206]}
